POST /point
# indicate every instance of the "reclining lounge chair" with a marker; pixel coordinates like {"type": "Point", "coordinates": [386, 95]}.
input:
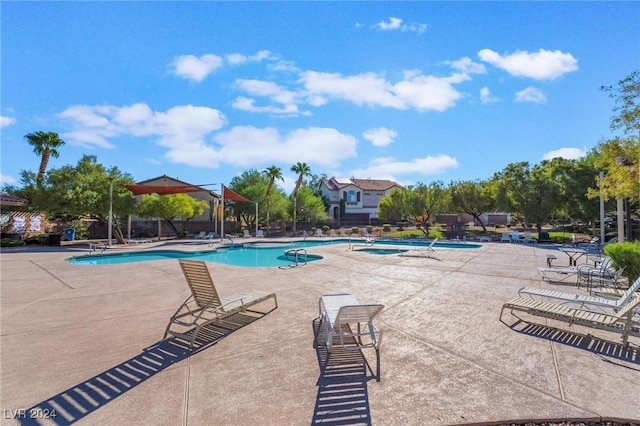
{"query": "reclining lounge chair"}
{"type": "Point", "coordinates": [349, 325]}
{"type": "Point", "coordinates": [205, 306]}
{"type": "Point", "coordinates": [620, 320]}
{"type": "Point", "coordinates": [583, 300]}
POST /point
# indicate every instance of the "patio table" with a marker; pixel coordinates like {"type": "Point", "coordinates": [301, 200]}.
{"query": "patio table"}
{"type": "Point", "coordinates": [574, 254]}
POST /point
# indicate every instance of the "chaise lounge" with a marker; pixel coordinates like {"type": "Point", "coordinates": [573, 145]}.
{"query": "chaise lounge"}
{"type": "Point", "coordinates": [349, 324]}
{"type": "Point", "coordinates": [205, 306]}
{"type": "Point", "coordinates": [617, 320]}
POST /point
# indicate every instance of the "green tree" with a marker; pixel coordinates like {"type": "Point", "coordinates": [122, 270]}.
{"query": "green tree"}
{"type": "Point", "coordinates": [532, 193]}
{"type": "Point", "coordinates": [273, 173]}
{"type": "Point", "coordinates": [311, 206]}
{"type": "Point", "coordinates": [81, 191]}
{"type": "Point", "coordinates": [618, 152]}
{"type": "Point", "coordinates": [417, 205]}
{"type": "Point", "coordinates": [302, 169]}
{"type": "Point", "coordinates": [391, 207]}
{"type": "Point", "coordinates": [473, 198]}
{"type": "Point", "coordinates": [252, 185]}
{"type": "Point", "coordinates": [45, 145]}
{"type": "Point", "coordinates": [171, 207]}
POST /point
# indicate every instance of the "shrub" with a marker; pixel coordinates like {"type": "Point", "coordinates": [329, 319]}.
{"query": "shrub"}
{"type": "Point", "coordinates": [355, 230]}
{"type": "Point", "coordinates": [369, 228]}
{"type": "Point", "coordinates": [11, 242]}
{"type": "Point", "coordinates": [386, 227]}
{"type": "Point", "coordinates": [626, 255]}
{"type": "Point", "coordinates": [325, 228]}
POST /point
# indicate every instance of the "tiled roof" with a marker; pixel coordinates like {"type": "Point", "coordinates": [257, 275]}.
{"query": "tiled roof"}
{"type": "Point", "coordinates": [9, 200]}
{"type": "Point", "coordinates": [364, 184]}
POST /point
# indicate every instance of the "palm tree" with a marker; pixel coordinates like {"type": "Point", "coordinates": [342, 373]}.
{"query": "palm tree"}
{"type": "Point", "coordinates": [44, 144]}
{"type": "Point", "coordinates": [272, 173]}
{"type": "Point", "coordinates": [303, 170]}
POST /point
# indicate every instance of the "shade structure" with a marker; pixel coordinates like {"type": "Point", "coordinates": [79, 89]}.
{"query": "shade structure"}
{"type": "Point", "coordinates": [227, 194]}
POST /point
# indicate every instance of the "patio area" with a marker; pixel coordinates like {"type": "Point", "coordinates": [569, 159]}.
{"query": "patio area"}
{"type": "Point", "coordinates": [85, 341]}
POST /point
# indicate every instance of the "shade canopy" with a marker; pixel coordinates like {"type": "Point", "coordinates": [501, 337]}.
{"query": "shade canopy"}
{"type": "Point", "coordinates": [227, 193]}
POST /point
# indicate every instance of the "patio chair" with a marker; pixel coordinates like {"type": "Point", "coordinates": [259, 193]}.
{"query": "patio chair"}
{"type": "Point", "coordinates": [246, 233]}
{"type": "Point", "coordinates": [426, 252]}
{"type": "Point", "coordinates": [543, 237]}
{"type": "Point", "coordinates": [528, 238]}
{"type": "Point", "coordinates": [620, 298]}
{"type": "Point", "coordinates": [259, 233]}
{"type": "Point", "coordinates": [515, 237]}
{"type": "Point", "coordinates": [557, 274]}
{"type": "Point", "coordinates": [348, 324]}
{"type": "Point", "coordinates": [604, 273]}
{"type": "Point", "coordinates": [505, 238]}
{"type": "Point", "coordinates": [319, 232]}
{"type": "Point", "coordinates": [201, 235]}
{"type": "Point", "coordinates": [617, 320]}
{"type": "Point", "coordinates": [204, 306]}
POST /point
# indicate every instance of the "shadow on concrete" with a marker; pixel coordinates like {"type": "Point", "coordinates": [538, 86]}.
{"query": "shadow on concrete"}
{"type": "Point", "coordinates": [593, 344]}
{"type": "Point", "coordinates": [342, 386]}
{"type": "Point", "coordinates": [77, 402]}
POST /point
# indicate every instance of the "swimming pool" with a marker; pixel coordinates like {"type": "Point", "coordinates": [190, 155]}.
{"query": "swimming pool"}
{"type": "Point", "coordinates": [257, 254]}
{"type": "Point", "coordinates": [246, 256]}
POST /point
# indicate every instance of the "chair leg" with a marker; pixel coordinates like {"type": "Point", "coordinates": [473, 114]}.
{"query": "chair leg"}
{"type": "Point", "coordinates": [377, 364]}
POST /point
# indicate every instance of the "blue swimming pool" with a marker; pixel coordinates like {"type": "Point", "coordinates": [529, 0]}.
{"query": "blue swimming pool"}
{"type": "Point", "coordinates": [257, 254]}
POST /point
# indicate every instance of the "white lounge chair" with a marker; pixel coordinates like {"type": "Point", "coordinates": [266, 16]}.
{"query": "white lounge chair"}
{"type": "Point", "coordinates": [319, 232]}
{"type": "Point", "coordinates": [421, 252]}
{"type": "Point", "coordinates": [557, 274]}
{"type": "Point", "coordinates": [515, 237]}
{"type": "Point", "coordinates": [617, 320]}
{"type": "Point", "coordinates": [349, 324]}
{"type": "Point", "coordinates": [505, 238]}
{"type": "Point", "coordinates": [260, 233]}
{"type": "Point", "coordinates": [201, 236]}
{"type": "Point", "coordinates": [580, 298]}
{"type": "Point", "coordinates": [205, 306]}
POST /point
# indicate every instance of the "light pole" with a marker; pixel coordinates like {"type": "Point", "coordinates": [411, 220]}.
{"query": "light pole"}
{"type": "Point", "coordinates": [602, 224]}
{"type": "Point", "coordinates": [110, 212]}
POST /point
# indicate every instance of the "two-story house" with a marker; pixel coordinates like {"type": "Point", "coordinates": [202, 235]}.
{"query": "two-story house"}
{"type": "Point", "coordinates": [359, 198]}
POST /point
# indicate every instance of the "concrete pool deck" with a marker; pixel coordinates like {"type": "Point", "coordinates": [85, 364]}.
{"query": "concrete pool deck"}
{"type": "Point", "coordinates": [87, 341]}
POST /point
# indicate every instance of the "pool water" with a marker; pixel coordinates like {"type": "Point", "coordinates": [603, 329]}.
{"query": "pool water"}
{"type": "Point", "coordinates": [237, 255]}
{"type": "Point", "coordinates": [258, 254]}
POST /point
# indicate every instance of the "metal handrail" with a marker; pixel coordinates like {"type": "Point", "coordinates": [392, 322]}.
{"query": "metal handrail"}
{"type": "Point", "coordinates": [296, 253]}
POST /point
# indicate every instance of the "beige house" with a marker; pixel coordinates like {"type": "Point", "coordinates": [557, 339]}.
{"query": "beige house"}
{"type": "Point", "coordinates": [360, 198]}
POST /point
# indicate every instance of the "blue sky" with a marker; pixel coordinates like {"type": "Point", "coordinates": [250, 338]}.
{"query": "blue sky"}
{"type": "Point", "coordinates": [407, 91]}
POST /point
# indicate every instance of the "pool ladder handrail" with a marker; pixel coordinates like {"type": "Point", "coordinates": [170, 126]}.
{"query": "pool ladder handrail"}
{"type": "Point", "coordinates": [295, 253]}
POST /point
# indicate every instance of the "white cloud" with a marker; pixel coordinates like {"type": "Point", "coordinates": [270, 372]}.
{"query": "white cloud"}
{"type": "Point", "coordinates": [181, 129]}
{"type": "Point", "coordinates": [247, 145]}
{"type": "Point", "coordinates": [393, 24]}
{"type": "Point", "coordinates": [6, 121]}
{"type": "Point", "coordinates": [288, 99]}
{"type": "Point", "coordinates": [530, 94]}
{"type": "Point", "coordinates": [540, 65]}
{"type": "Point", "coordinates": [415, 91]}
{"type": "Point", "coordinates": [196, 69]}
{"type": "Point", "coordinates": [467, 65]}
{"type": "Point", "coordinates": [388, 168]}
{"type": "Point", "coordinates": [486, 97]}
{"type": "Point", "coordinates": [567, 153]}
{"type": "Point", "coordinates": [238, 58]}
{"type": "Point", "coordinates": [380, 136]}
{"type": "Point", "coordinates": [7, 180]}
{"type": "Point", "coordinates": [396, 24]}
